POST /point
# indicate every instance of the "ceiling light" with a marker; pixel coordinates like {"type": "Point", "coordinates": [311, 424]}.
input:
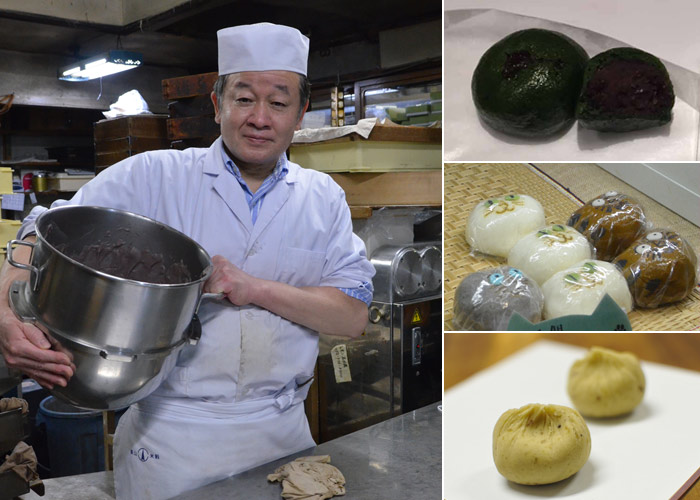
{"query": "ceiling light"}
{"type": "Point", "coordinates": [112, 62]}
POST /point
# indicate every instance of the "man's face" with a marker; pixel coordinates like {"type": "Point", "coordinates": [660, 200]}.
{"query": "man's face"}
{"type": "Point", "coordinates": [258, 115]}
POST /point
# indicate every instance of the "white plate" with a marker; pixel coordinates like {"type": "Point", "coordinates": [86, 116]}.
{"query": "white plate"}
{"type": "Point", "coordinates": [647, 455]}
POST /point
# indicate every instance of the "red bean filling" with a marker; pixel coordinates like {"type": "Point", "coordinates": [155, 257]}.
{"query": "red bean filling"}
{"type": "Point", "coordinates": [628, 88]}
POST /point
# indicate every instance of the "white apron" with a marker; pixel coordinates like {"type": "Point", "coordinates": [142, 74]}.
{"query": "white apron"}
{"type": "Point", "coordinates": [164, 447]}
{"type": "Point", "coordinates": [233, 401]}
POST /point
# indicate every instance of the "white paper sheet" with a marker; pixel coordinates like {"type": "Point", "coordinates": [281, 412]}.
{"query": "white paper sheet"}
{"type": "Point", "coordinates": [667, 28]}
{"type": "Point", "coordinates": [363, 128]}
{"type": "Point", "coordinates": [647, 455]}
{"type": "Point", "coordinates": [469, 33]}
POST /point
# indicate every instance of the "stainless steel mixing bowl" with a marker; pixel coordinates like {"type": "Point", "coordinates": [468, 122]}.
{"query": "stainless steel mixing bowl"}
{"type": "Point", "coordinates": [123, 334]}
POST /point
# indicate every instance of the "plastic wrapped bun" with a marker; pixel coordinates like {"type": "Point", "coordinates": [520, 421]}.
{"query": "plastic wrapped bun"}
{"type": "Point", "coordinates": [540, 444]}
{"type": "Point", "coordinates": [580, 288]}
{"type": "Point", "coordinates": [606, 383]}
{"type": "Point", "coordinates": [611, 222]}
{"type": "Point", "coordinates": [542, 253]}
{"type": "Point", "coordinates": [485, 300]}
{"type": "Point", "coordinates": [496, 224]}
{"type": "Point", "coordinates": [660, 268]}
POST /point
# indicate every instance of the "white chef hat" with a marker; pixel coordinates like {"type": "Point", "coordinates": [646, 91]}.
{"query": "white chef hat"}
{"type": "Point", "coordinates": [262, 47]}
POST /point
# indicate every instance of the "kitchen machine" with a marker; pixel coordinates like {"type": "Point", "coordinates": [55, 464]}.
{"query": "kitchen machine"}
{"type": "Point", "coordinates": [395, 366]}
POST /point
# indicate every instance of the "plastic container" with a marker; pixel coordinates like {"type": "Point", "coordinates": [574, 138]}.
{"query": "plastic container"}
{"type": "Point", "coordinates": [8, 231]}
{"type": "Point", "coordinates": [14, 427]}
{"type": "Point", "coordinates": [74, 436]}
{"type": "Point", "coordinates": [40, 182]}
{"type": "Point", "coordinates": [6, 180]}
{"type": "Point", "coordinates": [11, 486]}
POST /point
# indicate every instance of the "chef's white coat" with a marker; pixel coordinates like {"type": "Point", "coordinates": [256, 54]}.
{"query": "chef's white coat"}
{"type": "Point", "coordinates": [232, 401]}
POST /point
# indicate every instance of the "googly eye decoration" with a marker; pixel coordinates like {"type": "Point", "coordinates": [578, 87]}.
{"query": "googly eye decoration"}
{"type": "Point", "coordinates": [610, 193]}
{"type": "Point", "coordinates": [496, 279]}
{"type": "Point", "coordinates": [655, 236]}
{"type": "Point", "coordinates": [516, 273]}
{"type": "Point", "coordinates": [641, 249]}
{"type": "Point", "coordinates": [598, 202]}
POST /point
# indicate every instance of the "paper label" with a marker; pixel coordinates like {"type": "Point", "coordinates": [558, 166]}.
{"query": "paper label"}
{"type": "Point", "coordinates": [608, 316]}
{"type": "Point", "coordinates": [13, 201]}
{"type": "Point", "coordinates": [341, 366]}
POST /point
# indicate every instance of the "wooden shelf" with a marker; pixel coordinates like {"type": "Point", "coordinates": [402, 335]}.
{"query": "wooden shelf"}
{"type": "Point", "coordinates": [421, 188]}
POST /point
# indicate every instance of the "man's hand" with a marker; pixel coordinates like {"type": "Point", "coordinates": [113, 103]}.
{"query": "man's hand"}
{"type": "Point", "coordinates": [27, 349]}
{"type": "Point", "coordinates": [239, 287]}
{"type": "Point", "coordinates": [24, 346]}
{"type": "Point", "coordinates": [321, 308]}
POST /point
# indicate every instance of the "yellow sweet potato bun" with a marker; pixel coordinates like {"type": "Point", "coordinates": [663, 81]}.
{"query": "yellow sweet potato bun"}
{"type": "Point", "coordinates": [540, 444]}
{"type": "Point", "coordinates": [606, 383]}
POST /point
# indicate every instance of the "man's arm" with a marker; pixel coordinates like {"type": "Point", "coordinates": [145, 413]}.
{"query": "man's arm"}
{"type": "Point", "coordinates": [24, 346]}
{"type": "Point", "coordinates": [324, 308]}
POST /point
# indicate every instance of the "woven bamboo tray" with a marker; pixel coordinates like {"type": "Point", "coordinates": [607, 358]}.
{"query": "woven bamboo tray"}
{"type": "Point", "coordinates": [467, 184]}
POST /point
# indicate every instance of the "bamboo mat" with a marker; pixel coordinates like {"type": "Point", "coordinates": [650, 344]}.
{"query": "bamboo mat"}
{"type": "Point", "coordinates": [467, 184]}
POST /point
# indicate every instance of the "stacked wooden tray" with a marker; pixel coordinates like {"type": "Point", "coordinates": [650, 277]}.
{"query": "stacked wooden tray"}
{"type": "Point", "coordinates": [120, 138]}
{"type": "Point", "coordinates": [191, 112]}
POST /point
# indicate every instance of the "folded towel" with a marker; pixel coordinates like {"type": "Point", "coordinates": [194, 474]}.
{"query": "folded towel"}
{"type": "Point", "coordinates": [7, 404]}
{"type": "Point", "coordinates": [309, 478]}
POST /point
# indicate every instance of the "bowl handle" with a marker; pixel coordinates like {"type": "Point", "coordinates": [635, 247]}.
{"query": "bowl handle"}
{"type": "Point", "coordinates": [194, 331]}
{"type": "Point", "coordinates": [34, 270]}
{"type": "Point", "coordinates": [209, 296]}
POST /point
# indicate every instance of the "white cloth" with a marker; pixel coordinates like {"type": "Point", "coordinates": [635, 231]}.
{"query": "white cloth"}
{"type": "Point", "coordinates": [129, 103]}
{"type": "Point", "coordinates": [303, 237]}
{"type": "Point", "coordinates": [262, 47]}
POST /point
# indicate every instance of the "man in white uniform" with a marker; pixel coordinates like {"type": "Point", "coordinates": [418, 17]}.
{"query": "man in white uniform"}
{"type": "Point", "coordinates": [284, 255]}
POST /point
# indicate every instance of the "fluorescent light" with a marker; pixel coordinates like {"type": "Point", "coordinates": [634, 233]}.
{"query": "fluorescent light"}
{"type": "Point", "coordinates": [93, 64]}
{"type": "Point", "coordinates": [114, 61]}
{"type": "Point", "coordinates": [71, 71]}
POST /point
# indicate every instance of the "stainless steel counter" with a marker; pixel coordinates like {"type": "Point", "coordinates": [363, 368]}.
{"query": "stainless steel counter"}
{"type": "Point", "coordinates": [93, 486]}
{"type": "Point", "coordinates": [398, 459]}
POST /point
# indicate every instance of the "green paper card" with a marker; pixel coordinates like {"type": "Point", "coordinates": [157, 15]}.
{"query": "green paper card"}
{"type": "Point", "coordinates": [608, 316]}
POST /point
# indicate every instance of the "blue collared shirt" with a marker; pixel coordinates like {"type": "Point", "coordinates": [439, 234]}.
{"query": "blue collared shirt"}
{"type": "Point", "coordinates": [255, 200]}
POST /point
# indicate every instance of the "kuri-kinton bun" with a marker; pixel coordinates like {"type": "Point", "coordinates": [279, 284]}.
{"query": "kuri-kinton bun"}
{"type": "Point", "coordinates": [606, 383]}
{"type": "Point", "coordinates": [540, 443]}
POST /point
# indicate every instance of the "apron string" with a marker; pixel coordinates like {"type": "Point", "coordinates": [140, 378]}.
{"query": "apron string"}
{"type": "Point", "coordinates": [290, 395]}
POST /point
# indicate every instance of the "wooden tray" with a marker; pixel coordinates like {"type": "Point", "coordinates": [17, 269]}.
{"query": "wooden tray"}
{"type": "Point", "coordinates": [188, 86]}
{"type": "Point", "coordinates": [467, 184]}
{"type": "Point", "coordinates": [138, 125]}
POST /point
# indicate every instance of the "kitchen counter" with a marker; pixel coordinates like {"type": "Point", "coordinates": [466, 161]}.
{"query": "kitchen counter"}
{"type": "Point", "coordinates": [398, 459]}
